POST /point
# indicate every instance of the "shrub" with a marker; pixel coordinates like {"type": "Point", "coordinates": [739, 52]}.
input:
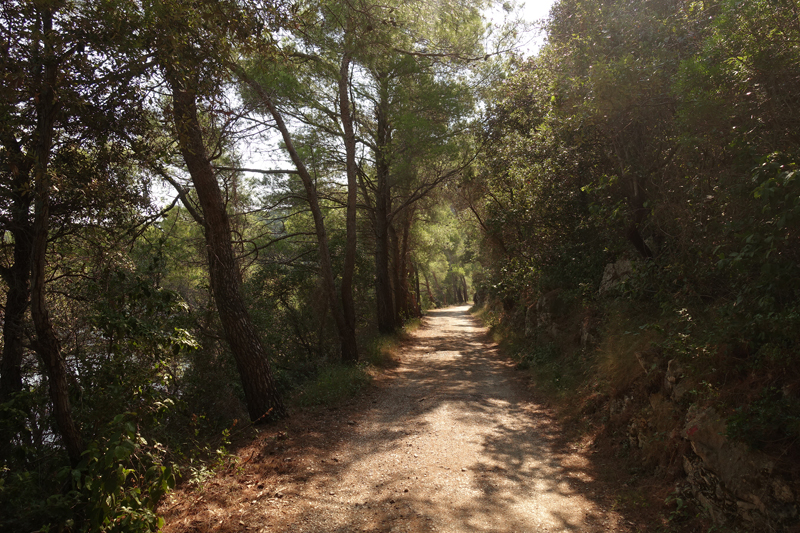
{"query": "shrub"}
{"type": "Point", "coordinates": [115, 488]}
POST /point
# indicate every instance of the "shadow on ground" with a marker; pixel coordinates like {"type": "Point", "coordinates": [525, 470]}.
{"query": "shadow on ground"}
{"type": "Point", "coordinates": [515, 472]}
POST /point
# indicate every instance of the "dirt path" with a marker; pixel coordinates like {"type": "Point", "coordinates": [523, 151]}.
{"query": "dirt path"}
{"type": "Point", "coordinates": [449, 440]}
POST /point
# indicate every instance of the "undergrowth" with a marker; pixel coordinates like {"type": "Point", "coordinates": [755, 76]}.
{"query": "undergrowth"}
{"type": "Point", "coordinates": [640, 349]}
{"type": "Point", "coordinates": [335, 383]}
{"type": "Point", "coordinates": [556, 368]}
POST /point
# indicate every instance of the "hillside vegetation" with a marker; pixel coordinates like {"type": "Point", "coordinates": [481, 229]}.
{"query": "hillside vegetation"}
{"type": "Point", "coordinates": [639, 200]}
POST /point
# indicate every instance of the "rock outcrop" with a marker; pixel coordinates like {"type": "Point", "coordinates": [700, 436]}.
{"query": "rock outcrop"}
{"type": "Point", "coordinates": [614, 274]}
{"type": "Point", "coordinates": [732, 483]}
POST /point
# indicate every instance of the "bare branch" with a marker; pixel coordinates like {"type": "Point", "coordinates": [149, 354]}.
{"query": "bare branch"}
{"type": "Point", "coordinates": [182, 194]}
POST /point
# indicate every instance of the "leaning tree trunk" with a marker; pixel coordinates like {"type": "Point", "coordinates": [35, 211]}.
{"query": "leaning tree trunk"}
{"type": "Point", "coordinates": [263, 401]}
{"type": "Point", "coordinates": [47, 344]}
{"type": "Point", "coordinates": [347, 338]}
{"type": "Point", "coordinates": [346, 335]}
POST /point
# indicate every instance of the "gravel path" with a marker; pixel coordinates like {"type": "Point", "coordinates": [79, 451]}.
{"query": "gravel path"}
{"type": "Point", "coordinates": [450, 440]}
{"type": "Point", "coordinates": [451, 444]}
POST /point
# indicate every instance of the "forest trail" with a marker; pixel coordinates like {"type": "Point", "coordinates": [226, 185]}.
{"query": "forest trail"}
{"type": "Point", "coordinates": [449, 440]}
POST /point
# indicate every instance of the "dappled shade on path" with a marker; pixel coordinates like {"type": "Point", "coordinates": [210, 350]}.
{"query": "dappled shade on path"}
{"type": "Point", "coordinates": [450, 445]}
{"type": "Point", "coordinates": [449, 441]}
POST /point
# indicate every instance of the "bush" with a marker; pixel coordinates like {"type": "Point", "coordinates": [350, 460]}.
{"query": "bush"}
{"type": "Point", "coordinates": [774, 418]}
{"type": "Point", "coordinates": [115, 488]}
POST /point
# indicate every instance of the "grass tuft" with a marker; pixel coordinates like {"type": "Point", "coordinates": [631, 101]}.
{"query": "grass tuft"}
{"type": "Point", "coordinates": [334, 384]}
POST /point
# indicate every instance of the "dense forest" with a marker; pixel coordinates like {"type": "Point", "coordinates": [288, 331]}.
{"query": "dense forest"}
{"type": "Point", "coordinates": [216, 211]}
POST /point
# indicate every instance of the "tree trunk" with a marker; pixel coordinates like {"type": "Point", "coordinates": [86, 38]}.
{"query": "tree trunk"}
{"type": "Point", "coordinates": [387, 322]}
{"type": "Point", "coordinates": [418, 300]}
{"type": "Point", "coordinates": [17, 278]}
{"type": "Point", "coordinates": [428, 287]}
{"type": "Point", "coordinates": [343, 307]}
{"type": "Point", "coordinates": [439, 288]}
{"type": "Point", "coordinates": [349, 345]}
{"type": "Point", "coordinates": [323, 322]}
{"type": "Point", "coordinates": [387, 317]}
{"type": "Point", "coordinates": [394, 240]}
{"type": "Point", "coordinates": [263, 401]}
{"type": "Point", "coordinates": [47, 344]}
{"type": "Point", "coordinates": [347, 338]}
{"type": "Point", "coordinates": [402, 290]}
